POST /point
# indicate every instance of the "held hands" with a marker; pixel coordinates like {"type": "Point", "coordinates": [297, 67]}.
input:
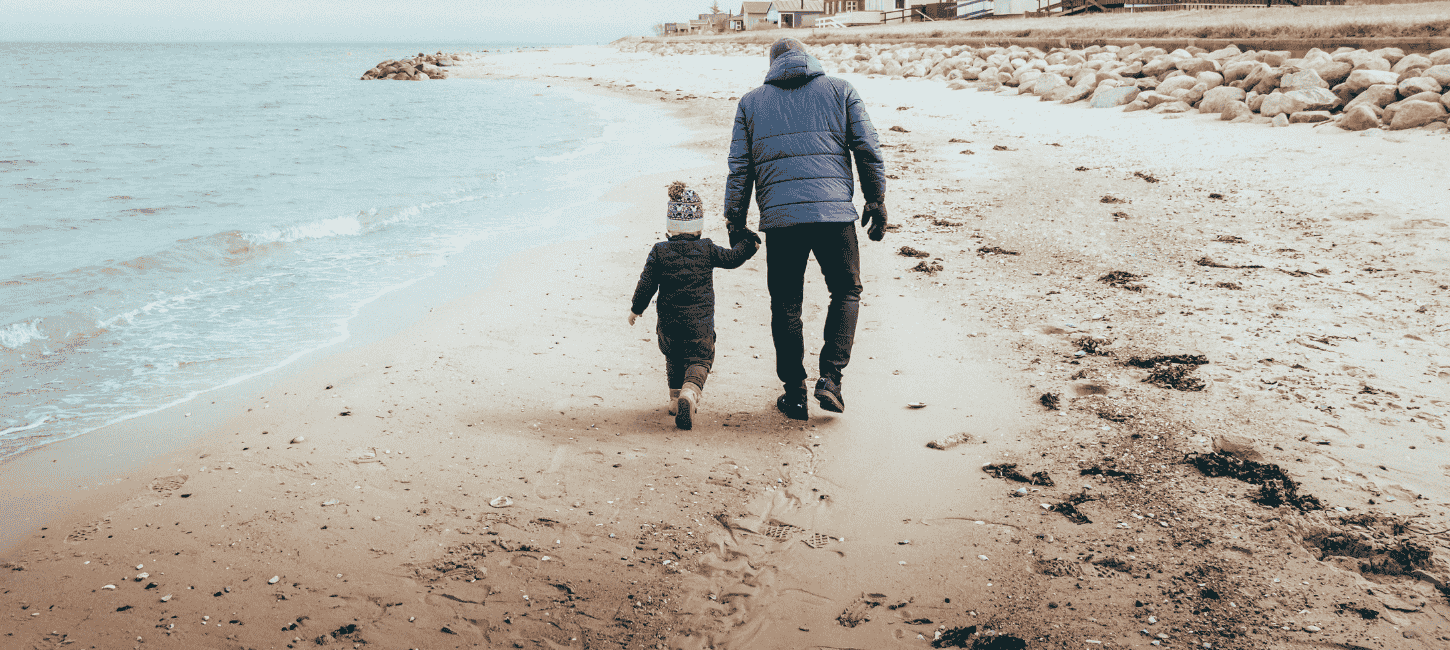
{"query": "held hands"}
{"type": "Point", "coordinates": [875, 214]}
{"type": "Point", "coordinates": [632, 316]}
{"type": "Point", "coordinates": [738, 235]}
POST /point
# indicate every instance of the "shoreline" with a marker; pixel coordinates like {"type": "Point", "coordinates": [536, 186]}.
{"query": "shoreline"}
{"type": "Point", "coordinates": [848, 531]}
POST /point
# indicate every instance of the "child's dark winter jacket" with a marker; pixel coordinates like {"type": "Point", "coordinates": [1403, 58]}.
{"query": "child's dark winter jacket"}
{"type": "Point", "coordinates": [682, 270]}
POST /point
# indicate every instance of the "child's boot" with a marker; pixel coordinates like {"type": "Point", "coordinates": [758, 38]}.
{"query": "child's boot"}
{"type": "Point", "coordinates": [686, 406]}
{"type": "Point", "coordinates": [674, 400]}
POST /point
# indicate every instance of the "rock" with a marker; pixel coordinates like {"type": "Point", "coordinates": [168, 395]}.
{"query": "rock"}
{"type": "Point", "coordinates": [1360, 80]}
{"type": "Point", "coordinates": [1310, 117]}
{"type": "Point", "coordinates": [1304, 79]}
{"type": "Point", "coordinates": [1241, 70]}
{"type": "Point", "coordinates": [1440, 73]}
{"type": "Point", "coordinates": [1109, 97]}
{"type": "Point", "coordinates": [1195, 66]}
{"type": "Point", "coordinates": [1426, 96]}
{"type": "Point", "coordinates": [1411, 62]}
{"type": "Point", "coordinates": [1172, 107]}
{"type": "Point", "coordinates": [1413, 113]}
{"type": "Point", "coordinates": [1334, 72]}
{"type": "Point", "coordinates": [1215, 100]}
{"type": "Point", "coordinates": [1209, 78]}
{"type": "Point", "coordinates": [1380, 95]}
{"type": "Point", "coordinates": [1281, 120]}
{"type": "Point", "coordinates": [298, 439]}
{"type": "Point", "coordinates": [1391, 54]}
{"type": "Point", "coordinates": [1445, 99]}
{"type": "Point", "coordinates": [1153, 98]}
{"type": "Point", "coordinates": [1274, 59]}
{"type": "Point", "coordinates": [957, 84]}
{"type": "Point", "coordinates": [1416, 85]}
{"type": "Point", "coordinates": [1294, 101]}
{"type": "Point", "coordinates": [1241, 447]}
{"type": "Point", "coordinates": [1046, 83]}
{"type": "Point", "coordinates": [1078, 93]}
{"type": "Point", "coordinates": [274, 580]}
{"type": "Point", "coordinates": [1174, 83]}
{"type": "Point", "coordinates": [1231, 111]}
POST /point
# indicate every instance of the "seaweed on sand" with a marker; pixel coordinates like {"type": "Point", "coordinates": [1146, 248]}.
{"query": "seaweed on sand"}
{"type": "Point", "coordinates": [1175, 376]}
{"type": "Point", "coordinates": [1050, 400]}
{"type": "Point", "coordinates": [1009, 471]}
{"type": "Point", "coordinates": [1185, 359]}
{"type": "Point", "coordinates": [1123, 280]}
{"type": "Point", "coordinates": [1069, 509]}
{"type": "Point", "coordinates": [907, 251]}
{"type": "Point", "coordinates": [993, 250]}
{"type": "Point", "coordinates": [1276, 488]}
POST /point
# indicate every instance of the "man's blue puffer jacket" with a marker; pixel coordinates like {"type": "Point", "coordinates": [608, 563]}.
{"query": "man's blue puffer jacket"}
{"type": "Point", "coordinates": [793, 141]}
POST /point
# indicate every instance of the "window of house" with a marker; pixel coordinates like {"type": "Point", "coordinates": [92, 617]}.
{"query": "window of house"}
{"type": "Point", "coordinates": [850, 5]}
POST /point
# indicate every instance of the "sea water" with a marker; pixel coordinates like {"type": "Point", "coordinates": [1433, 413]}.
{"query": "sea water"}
{"type": "Point", "coordinates": [175, 218]}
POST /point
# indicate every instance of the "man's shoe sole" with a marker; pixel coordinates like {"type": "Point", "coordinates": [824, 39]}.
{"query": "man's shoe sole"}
{"type": "Point", "coordinates": [830, 401]}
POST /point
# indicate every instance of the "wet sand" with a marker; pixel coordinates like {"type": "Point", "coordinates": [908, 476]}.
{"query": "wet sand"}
{"type": "Point", "coordinates": [753, 531]}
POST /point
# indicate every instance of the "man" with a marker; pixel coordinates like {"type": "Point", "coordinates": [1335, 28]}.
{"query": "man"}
{"type": "Point", "coordinates": [793, 142]}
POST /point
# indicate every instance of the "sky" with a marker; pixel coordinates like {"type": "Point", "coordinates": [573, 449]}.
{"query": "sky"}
{"type": "Point", "coordinates": [342, 21]}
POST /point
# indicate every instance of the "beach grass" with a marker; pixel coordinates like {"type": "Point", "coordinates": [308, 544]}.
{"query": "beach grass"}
{"type": "Point", "coordinates": [1367, 19]}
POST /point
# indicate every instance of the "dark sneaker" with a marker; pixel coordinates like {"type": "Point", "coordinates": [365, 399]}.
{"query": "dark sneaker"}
{"type": "Point", "coordinates": [828, 393]}
{"type": "Point", "coordinates": [793, 405]}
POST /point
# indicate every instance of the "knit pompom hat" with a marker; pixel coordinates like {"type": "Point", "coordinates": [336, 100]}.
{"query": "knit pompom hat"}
{"type": "Point", "coordinates": [685, 215]}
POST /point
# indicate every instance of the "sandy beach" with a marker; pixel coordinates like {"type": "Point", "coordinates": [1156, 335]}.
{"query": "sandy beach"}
{"type": "Point", "coordinates": [1089, 300]}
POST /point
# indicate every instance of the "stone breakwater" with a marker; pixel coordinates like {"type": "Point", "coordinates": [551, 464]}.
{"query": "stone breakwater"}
{"type": "Point", "coordinates": [418, 68]}
{"type": "Point", "coordinates": [1356, 89]}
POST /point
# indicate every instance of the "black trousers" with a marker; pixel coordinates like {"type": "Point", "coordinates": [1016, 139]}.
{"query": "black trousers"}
{"type": "Point", "coordinates": [786, 252]}
{"type": "Point", "coordinates": [689, 353]}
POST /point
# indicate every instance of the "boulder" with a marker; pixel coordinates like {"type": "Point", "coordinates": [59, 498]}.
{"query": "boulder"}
{"type": "Point", "coordinates": [1359, 118]}
{"type": "Point", "coordinates": [1411, 62]}
{"type": "Point", "coordinates": [1241, 70]}
{"type": "Point", "coordinates": [1281, 120]}
{"type": "Point", "coordinates": [1445, 99]}
{"type": "Point", "coordinates": [1210, 79]}
{"type": "Point", "coordinates": [1172, 108]}
{"type": "Point", "coordinates": [1135, 105]}
{"type": "Point", "coordinates": [1158, 66]}
{"type": "Point", "coordinates": [1110, 96]}
{"type": "Point", "coordinates": [1359, 80]}
{"type": "Point", "coordinates": [1215, 100]}
{"type": "Point", "coordinates": [1255, 102]}
{"type": "Point", "coordinates": [1269, 83]}
{"type": "Point", "coordinates": [1310, 117]}
{"type": "Point", "coordinates": [1232, 111]}
{"type": "Point", "coordinates": [1440, 73]}
{"type": "Point", "coordinates": [1174, 83]}
{"type": "Point", "coordinates": [1417, 85]}
{"type": "Point", "coordinates": [1391, 54]}
{"type": "Point", "coordinates": [1294, 101]}
{"type": "Point", "coordinates": [1195, 66]}
{"type": "Point", "coordinates": [1302, 79]}
{"type": "Point", "coordinates": [1046, 83]}
{"type": "Point", "coordinates": [1078, 93]}
{"type": "Point", "coordinates": [1273, 59]}
{"type": "Point", "coordinates": [1426, 96]}
{"type": "Point", "coordinates": [1380, 95]}
{"type": "Point", "coordinates": [1153, 98]}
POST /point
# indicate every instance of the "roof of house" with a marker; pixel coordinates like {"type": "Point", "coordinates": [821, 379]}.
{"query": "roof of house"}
{"type": "Point", "coordinates": [754, 7]}
{"type": "Point", "coordinates": [818, 6]}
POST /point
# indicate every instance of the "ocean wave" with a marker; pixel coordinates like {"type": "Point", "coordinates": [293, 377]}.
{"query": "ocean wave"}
{"type": "Point", "coordinates": [27, 427]}
{"type": "Point", "coordinates": [593, 148]}
{"type": "Point", "coordinates": [15, 335]}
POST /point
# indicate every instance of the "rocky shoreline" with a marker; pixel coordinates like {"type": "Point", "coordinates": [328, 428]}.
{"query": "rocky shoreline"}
{"type": "Point", "coordinates": [420, 68]}
{"type": "Point", "coordinates": [1354, 89]}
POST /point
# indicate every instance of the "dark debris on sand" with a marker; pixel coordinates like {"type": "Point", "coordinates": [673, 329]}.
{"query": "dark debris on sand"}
{"type": "Point", "coordinates": [1108, 472]}
{"type": "Point", "coordinates": [1050, 400]}
{"type": "Point", "coordinates": [1123, 280]}
{"type": "Point", "coordinates": [1275, 486]}
{"type": "Point", "coordinates": [1176, 376]}
{"type": "Point", "coordinates": [1009, 471]}
{"type": "Point", "coordinates": [929, 269]}
{"type": "Point", "coordinates": [1211, 263]}
{"type": "Point", "coordinates": [1069, 509]}
{"type": "Point", "coordinates": [1231, 239]}
{"type": "Point", "coordinates": [1108, 198]}
{"type": "Point", "coordinates": [1185, 359]}
{"type": "Point", "coordinates": [993, 250]}
{"type": "Point", "coordinates": [907, 251]}
{"type": "Point", "coordinates": [1146, 177]}
{"type": "Point", "coordinates": [1095, 346]}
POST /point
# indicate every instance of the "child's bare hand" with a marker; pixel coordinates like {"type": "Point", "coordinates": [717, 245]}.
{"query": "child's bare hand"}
{"type": "Point", "coordinates": [632, 316]}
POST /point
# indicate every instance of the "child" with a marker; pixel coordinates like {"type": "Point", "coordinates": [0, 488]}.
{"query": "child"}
{"type": "Point", "coordinates": [682, 269]}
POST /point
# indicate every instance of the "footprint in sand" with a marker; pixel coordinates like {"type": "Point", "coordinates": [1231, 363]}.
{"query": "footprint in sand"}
{"type": "Point", "coordinates": [168, 484]}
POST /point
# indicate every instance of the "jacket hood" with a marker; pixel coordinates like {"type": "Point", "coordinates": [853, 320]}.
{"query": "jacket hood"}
{"type": "Point", "coordinates": [793, 69]}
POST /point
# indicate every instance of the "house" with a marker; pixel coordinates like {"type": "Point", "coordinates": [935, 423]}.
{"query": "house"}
{"type": "Point", "coordinates": [795, 13]}
{"type": "Point", "coordinates": [833, 7]}
{"type": "Point", "coordinates": [968, 9]}
{"type": "Point", "coordinates": [752, 13]}
{"type": "Point", "coordinates": [717, 23]}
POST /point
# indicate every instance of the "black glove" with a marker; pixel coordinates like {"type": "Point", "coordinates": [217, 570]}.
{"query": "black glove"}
{"type": "Point", "coordinates": [738, 235]}
{"type": "Point", "coordinates": [875, 214]}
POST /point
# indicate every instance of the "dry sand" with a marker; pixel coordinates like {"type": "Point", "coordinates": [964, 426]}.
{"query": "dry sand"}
{"type": "Point", "coordinates": [753, 531]}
